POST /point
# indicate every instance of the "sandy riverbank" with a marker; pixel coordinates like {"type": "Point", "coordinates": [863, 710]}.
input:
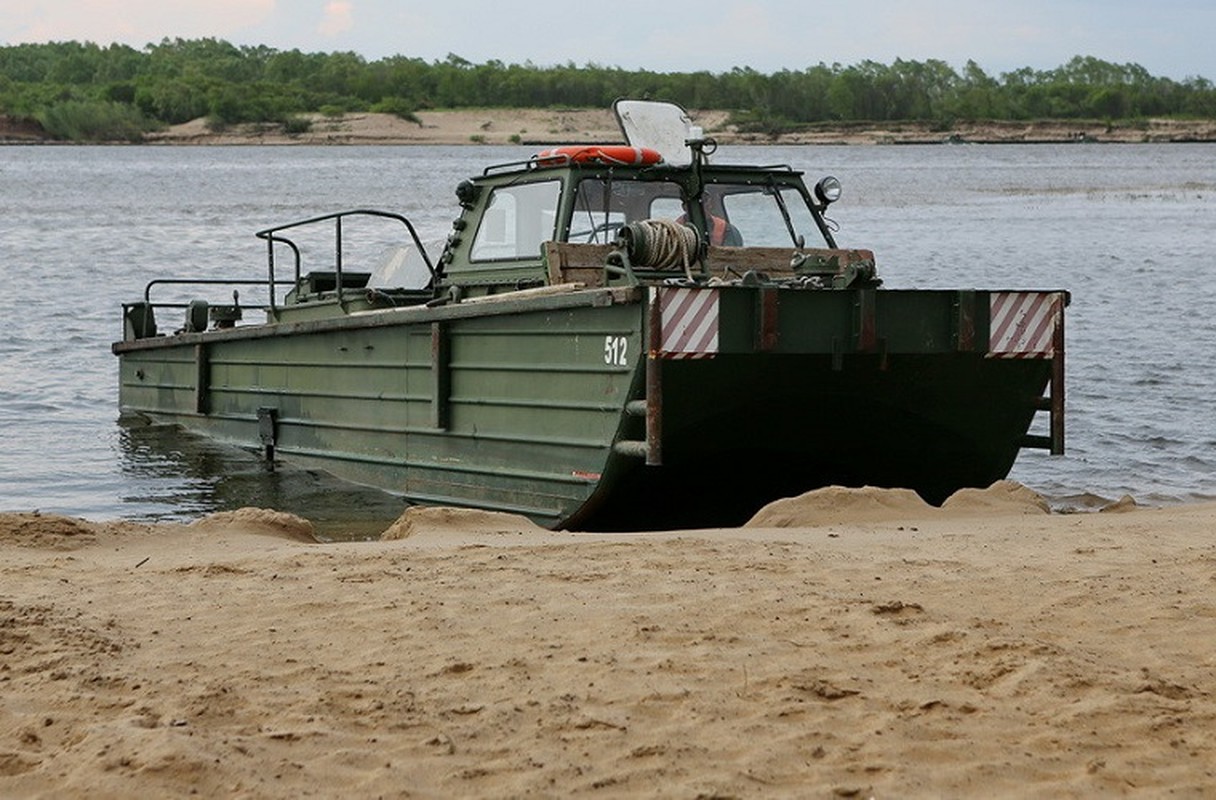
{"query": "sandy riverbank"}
{"type": "Point", "coordinates": [849, 643]}
{"type": "Point", "coordinates": [572, 126]}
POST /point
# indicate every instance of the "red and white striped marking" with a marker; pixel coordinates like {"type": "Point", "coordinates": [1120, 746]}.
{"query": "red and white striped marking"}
{"type": "Point", "coordinates": [1023, 324]}
{"type": "Point", "coordinates": [689, 322]}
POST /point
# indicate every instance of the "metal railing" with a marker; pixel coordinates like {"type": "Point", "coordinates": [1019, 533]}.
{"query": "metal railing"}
{"type": "Point", "coordinates": [271, 284]}
{"type": "Point", "coordinates": [272, 237]}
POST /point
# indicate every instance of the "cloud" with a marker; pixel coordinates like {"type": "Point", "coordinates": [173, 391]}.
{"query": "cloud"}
{"type": "Point", "coordinates": [1170, 37]}
{"type": "Point", "coordinates": [338, 18]}
{"type": "Point", "coordinates": [135, 22]}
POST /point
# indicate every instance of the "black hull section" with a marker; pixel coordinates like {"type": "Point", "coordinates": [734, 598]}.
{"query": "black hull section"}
{"type": "Point", "coordinates": [741, 432]}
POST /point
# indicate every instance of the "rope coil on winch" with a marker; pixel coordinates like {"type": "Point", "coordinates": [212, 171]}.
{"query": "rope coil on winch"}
{"type": "Point", "coordinates": [660, 244]}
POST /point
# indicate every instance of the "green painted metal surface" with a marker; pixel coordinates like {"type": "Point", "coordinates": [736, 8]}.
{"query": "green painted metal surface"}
{"type": "Point", "coordinates": [522, 418]}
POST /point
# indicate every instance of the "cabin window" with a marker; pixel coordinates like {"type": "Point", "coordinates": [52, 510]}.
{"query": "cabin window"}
{"type": "Point", "coordinates": [516, 221]}
{"type": "Point", "coordinates": [602, 207]}
{"type": "Point", "coordinates": [756, 214]}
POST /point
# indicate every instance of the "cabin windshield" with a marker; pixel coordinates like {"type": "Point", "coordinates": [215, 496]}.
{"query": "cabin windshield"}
{"type": "Point", "coordinates": [758, 216]}
{"type": "Point", "coordinates": [602, 207]}
{"type": "Point", "coordinates": [736, 214]}
{"type": "Point", "coordinates": [518, 218]}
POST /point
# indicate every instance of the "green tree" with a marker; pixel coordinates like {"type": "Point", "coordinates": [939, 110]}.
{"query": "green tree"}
{"type": "Point", "coordinates": [176, 80]}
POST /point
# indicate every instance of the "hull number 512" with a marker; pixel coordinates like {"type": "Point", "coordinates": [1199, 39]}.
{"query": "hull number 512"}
{"type": "Point", "coordinates": [616, 351]}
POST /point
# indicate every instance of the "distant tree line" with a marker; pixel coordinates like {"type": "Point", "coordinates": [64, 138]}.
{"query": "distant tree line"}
{"type": "Point", "coordinates": [83, 91]}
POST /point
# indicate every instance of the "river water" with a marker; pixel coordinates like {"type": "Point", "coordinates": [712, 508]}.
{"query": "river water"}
{"type": "Point", "coordinates": [1130, 230]}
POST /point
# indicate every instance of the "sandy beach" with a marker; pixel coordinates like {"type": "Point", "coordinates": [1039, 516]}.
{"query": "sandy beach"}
{"type": "Point", "coordinates": [846, 643]}
{"type": "Point", "coordinates": [573, 126]}
{"type": "Point", "coordinates": [535, 126]}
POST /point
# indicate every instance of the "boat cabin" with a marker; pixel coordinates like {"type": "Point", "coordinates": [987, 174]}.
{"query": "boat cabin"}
{"type": "Point", "coordinates": [513, 214]}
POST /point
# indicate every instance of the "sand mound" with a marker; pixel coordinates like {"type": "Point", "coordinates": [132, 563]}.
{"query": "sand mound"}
{"type": "Point", "coordinates": [32, 529]}
{"type": "Point", "coordinates": [1121, 506]}
{"type": "Point", "coordinates": [837, 504]}
{"type": "Point", "coordinates": [261, 521]}
{"type": "Point", "coordinates": [444, 519]}
{"type": "Point", "coordinates": [1002, 497]}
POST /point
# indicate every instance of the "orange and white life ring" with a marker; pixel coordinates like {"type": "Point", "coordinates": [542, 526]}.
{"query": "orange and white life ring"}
{"type": "Point", "coordinates": [599, 154]}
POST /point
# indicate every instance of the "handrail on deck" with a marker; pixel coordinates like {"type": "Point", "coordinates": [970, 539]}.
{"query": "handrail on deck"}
{"type": "Point", "coordinates": [271, 237]}
{"type": "Point", "coordinates": [209, 282]}
{"type": "Point", "coordinates": [147, 306]}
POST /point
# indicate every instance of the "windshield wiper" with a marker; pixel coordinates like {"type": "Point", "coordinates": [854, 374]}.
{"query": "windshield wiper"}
{"type": "Point", "coordinates": [785, 213]}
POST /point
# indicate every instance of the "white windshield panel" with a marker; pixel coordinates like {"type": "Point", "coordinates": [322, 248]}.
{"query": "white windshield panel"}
{"type": "Point", "coordinates": [660, 126]}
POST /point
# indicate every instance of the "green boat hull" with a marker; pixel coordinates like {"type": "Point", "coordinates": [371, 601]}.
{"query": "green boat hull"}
{"type": "Point", "coordinates": [574, 410]}
{"type": "Point", "coordinates": [612, 337]}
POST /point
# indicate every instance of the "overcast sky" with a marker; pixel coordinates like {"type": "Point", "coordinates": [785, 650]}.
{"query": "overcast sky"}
{"type": "Point", "coordinates": [1170, 38]}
